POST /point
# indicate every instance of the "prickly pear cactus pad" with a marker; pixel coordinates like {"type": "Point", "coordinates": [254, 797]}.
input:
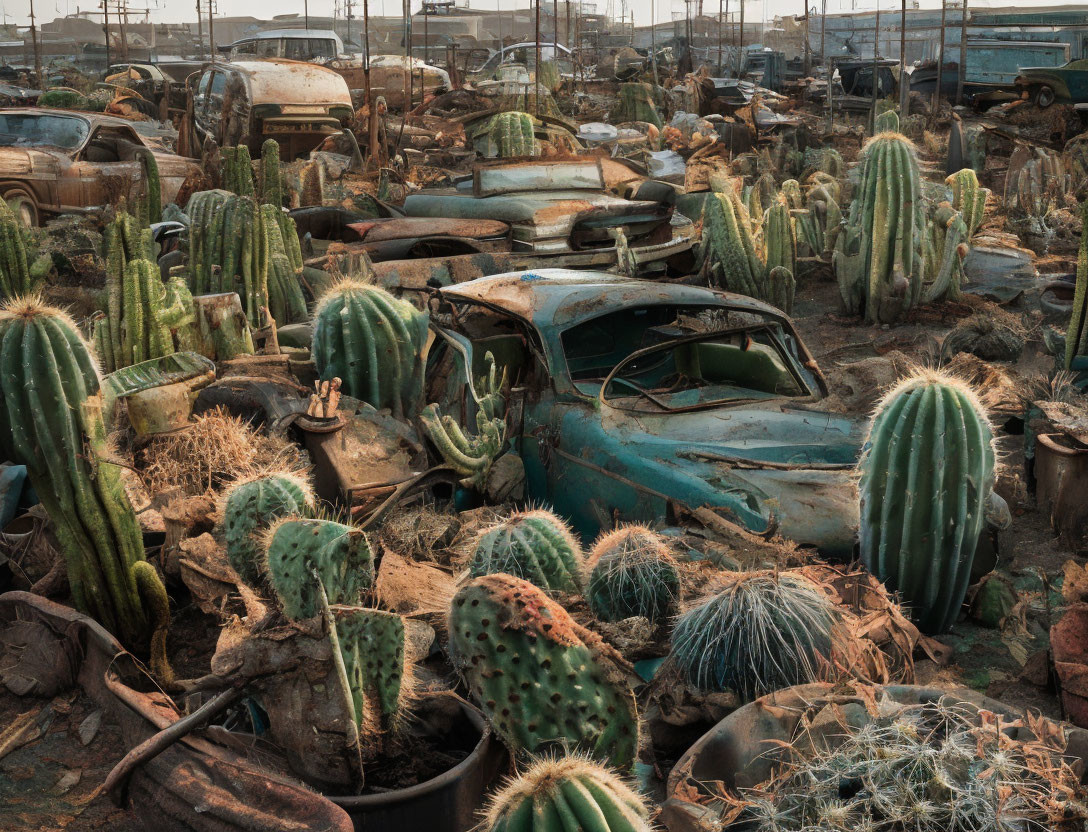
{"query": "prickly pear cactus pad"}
{"type": "Point", "coordinates": [927, 472]}
{"type": "Point", "coordinates": [632, 573]}
{"type": "Point", "coordinates": [250, 506]}
{"type": "Point", "coordinates": [567, 793]}
{"type": "Point", "coordinates": [372, 644]}
{"type": "Point", "coordinates": [543, 680]}
{"type": "Point", "coordinates": [535, 545]}
{"type": "Point", "coordinates": [340, 555]}
{"type": "Point", "coordinates": [374, 343]}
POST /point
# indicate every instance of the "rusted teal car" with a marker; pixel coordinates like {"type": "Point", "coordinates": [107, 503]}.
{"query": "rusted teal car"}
{"type": "Point", "coordinates": [1046, 84]}
{"type": "Point", "coordinates": [634, 400]}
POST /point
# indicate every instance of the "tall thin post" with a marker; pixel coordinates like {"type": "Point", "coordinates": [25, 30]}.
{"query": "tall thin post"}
{"type": "Point", "coordinates": [347, 17]}
{"type": "Point", "coordinates": [963, 54]}
{"type": "Point", "coordinates": [937, 91]}
{"type": "Point", "coordinates": [305, 12]}
{"type": "Point", "coordinates": [536, 75]}
{"type": "Point", "coordinates": [904, 81]}
{"type": "Point", "coordinates": [199, 30]}
{"type": "Point", "coordinates": [653, 39]}
{"type": "Point", "coordinates": [426, 46]}
{"type": "Point", "coordinates": [876, 53]}
{"type": "Point", "coordinates": [808, 51]}
{"type": "Point", "coordinates": [568, 24]}
{"type": "Point", "coordinates": [555, 30]}
{"type": "Point", "coordinates": [106, 27]}
{"type": "Point", "coordinates": [37, 51]}
{"type": "Point", "coordinates": [721, 8]}
{"type": "Point", "coordinates": [122, 22]}
{"type": "Point", "coordinates": [740, 41]}
{"type": "Point", "coordinates": [211, 29]}
{"type": "Point", "coordinates": [823, 37]}
{"type": "Point", "coordinates": [407, 12]}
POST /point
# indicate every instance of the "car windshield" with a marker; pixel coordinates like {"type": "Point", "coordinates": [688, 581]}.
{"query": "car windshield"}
{"type": "Point", "coordinates": [730, 367]}
{"type": "Point", "coordinates": [29, 129]}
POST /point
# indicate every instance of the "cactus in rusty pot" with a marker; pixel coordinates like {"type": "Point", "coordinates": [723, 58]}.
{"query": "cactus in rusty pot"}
{"type": "Point", "coordinates": [374, 343]}
{"type": "Point", "coordinates": [250, 506]}
{"type": "Point", "coordinates": [542, 679]}
{"type": "Point", "coordinates": [927, 473]}
{"type": "Point", "coordinates": [52, 422]}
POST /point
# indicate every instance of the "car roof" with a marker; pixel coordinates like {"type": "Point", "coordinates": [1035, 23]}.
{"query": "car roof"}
{"type": "Point", "coordinates": [95, 119]}
{"type": "Point", "coordinates": [270, 34]}
{"type": "Point", "coordinates": [280, 80]}
{"type": "Point", "coordinates": [556, 299]}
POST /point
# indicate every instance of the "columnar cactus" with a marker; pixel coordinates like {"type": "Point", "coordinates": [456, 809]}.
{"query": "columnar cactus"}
{"type": "Point", "coordinates": [878, 260]}
{"type": "Point", "coordinates": [534, 545]}
{"type": "Point", "coordinates": [632, 573]}
{"type": "Point", "coordinates": [513, 135]}
{"type": "Point", "coordinates": [567, 794]}
{"type": "Point", "coordinates": [636, 103]}
{"type": "Point", "coordinates": [820, 221]}
{"type": "Point", "coordinates": [374, 343]}
{"type": "Point", "coordinates": [238, 170]}
{"type": "Point", "coordinates": [51, 421]}
{"type": "Point", "coordinates": [779, 244]}
{"type": "Point", "coordinates": [791, 193]}
{"type": "Point", "coordinates": [152, 199]}
{"type": "Point", "coordinates": [295, 548]}
{"type": "Point", "coordinates": [250, 506]}
{"type": "Point", "coordinates": [372, 645]}
{"type": "Point", "coordinates": [886, 122]}
{"type": "Point", "coordinates": [927, 473]}
{"type": "Point", "coordinates": [285, 299]}
{"type": "Point", "coordinates": [762, 632]}
{"type": "Point", "coordinates": [1076, 334]}
{"type": "Point", "coordinates": [271, 174]}
{"type": "Point", "coordinates": [143, 328]}
{"type": "Point", "coordinates": [945, 247]}
{"type": "Point", "coordinates": [17, 276]}
{"type": "Point", "coordinates": [472, 457]}
{"type": "Point", "coordinates": [541, 678]}
{"type": "Point", "coordinates": [968, 198]}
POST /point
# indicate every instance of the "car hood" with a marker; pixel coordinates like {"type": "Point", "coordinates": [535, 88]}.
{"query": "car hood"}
{"type": "Point", "coordinates": [16, 161]}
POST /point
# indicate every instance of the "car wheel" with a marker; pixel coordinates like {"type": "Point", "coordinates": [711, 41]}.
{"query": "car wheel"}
{"type": "Point", "coordinates": [23, 206]}
{"type": "Point", "coordinates": [1044, 96]}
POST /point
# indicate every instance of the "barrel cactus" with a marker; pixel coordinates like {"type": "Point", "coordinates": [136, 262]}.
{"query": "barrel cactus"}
{"type": "Point", "coordinates": [534, 545]}
{"type": "Point", "coordinates": [373, 343]}
{"type": "Point", "coordinates": [340, 555]}
{"type": "Point", "coordinates": [631, 572]}
{"type": "Point", "coordinates": [762, 632]}
{"type": "Point", "coordinates": [52, 422]}
{"type": "Point", "coordinates": [1076, 334]}
{"type": "Point", "coordinates": [878, 260]}
{"type": "Point", "coordinates": [542, 679]}
{"type": "Point", "coordinates": [512, 134]}
{"type": "Point", "coordinates": [251, 505]}
{"type": "Point", "coordinates": [927, 473]}
{"type": "Point", "coordinates": [968, 198]}
{"type": "Point", "coordinates": [567, 794]}
{"type": "Point", "coordinates": [886, 122]}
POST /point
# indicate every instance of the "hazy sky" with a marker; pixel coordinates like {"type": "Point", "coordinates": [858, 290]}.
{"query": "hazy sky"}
{"type": "Point", "coordinates": [179, 10]}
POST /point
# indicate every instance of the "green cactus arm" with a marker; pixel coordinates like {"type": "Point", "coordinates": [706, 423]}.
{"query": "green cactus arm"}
{"type": "Point", "coordinates": [157, 604]}
{"type": "Point", "coordinates": [1076, 337]}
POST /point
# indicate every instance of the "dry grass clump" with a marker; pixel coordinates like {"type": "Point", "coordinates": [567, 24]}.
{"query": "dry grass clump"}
{"type": "Point", "coordinates": [215, 450]}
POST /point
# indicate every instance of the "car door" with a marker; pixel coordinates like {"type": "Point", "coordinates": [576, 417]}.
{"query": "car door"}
{"type": "Point", "coordinates": [107, 166]}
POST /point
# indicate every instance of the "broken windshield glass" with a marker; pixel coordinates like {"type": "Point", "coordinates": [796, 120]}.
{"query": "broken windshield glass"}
{"type": "Point", "coordinates": [25, 129]}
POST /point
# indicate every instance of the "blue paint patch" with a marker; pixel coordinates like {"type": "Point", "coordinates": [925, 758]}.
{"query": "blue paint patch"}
{"type": "Point", "coordinates": [529, 277]}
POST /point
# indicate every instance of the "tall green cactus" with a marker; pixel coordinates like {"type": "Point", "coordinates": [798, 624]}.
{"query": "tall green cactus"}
{"type": "Point", "coordinates": [927, 473]}
{"type": "Point", "coordinates": [567, 794]}
{"type": "Point", "coordinates": [250, 506]}
{"type": "Point", "coordinates": [534, 545]}
{"type": "Point", "coordinates": [820, 221]}
{"type": "Point", "coordinates": [513, 135]}
{"type": "Point", "coordinates": [271, 174]}
{"type": "Point", "coordinates": [472, 457]}
{"type": "Point", "coordinates": [878, 259]}
{"type": "Point", "coordinates": [778, 288]}
{"type": "Point", "coordinates": [632, 573]}
{"type": "Point", "coordinates": [541, 678]}
{"type": "Point", "coordinates": [285, 299]}
{"type": "Point", "coordinates": [1076, 334]}
{"type": "Point", "coordinates": [152, 199]}
{"type": "Point", "coordinates": [945, 247]}
{"type": "Point", "coordinates": [52, 422]}
{"type": "Point", "coordinates": [779, 243]}
{"type": "Point", "coordinates": [238, 170]}
{"type": "Point", "coordinates": [144, 330]}
{"type": "Point", "coordinates": [374, 343]}
{"type": "Point", "coordinates": [17, 277]}
{"type": "Point", "coordinates": [636, 103]}
{"type": "Point", "coordinates": [968, 198]}
{"type": "Point", "coordinates": [296, 548]}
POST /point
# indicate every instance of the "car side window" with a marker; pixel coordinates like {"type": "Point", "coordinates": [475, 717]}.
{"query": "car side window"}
{"type": "Point", "coordinates": [296, 49]}
{"type": "Point", "coordinates": [322, 48]}
{"type": "Point", "coordinates": [249, 47]}
{"type": "Point", "coordinates": [202, 89]}
{"type": "Point", "coordinates": [269, 48]}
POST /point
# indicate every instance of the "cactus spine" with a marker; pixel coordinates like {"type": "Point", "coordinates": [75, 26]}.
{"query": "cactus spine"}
{"type": "Point", "coordinates": [1076, 334]}
{"type": "Point", "coordinates": [271, 174]}
{"type": "Point", "coordinates": [568, 793]}
{"type": "Point", "coordinates": [632, 573]}
{"type": "Point", "coordinates": [513, 135]}
{"type": "Point", "coordinates": [534, 545]}
{"type": "Point", "coordinates": [541, 678]}
{"type": "Point", "coordinates": [250, 506]}
{"type": "Point", "coordinates": [968, 198]}
{"type": "Point", "coordinates": [472, 457]}
{"type": "Point", "coordinates": [926, 478]}
{"type": "Point", "coordinates": [15, 271]}
{"type": "Point", "coordinates": [374, 343]}
{"type": "Point", "coordinates": [878, 261]}
{"type": "Point", "coordinates": [51, 421]}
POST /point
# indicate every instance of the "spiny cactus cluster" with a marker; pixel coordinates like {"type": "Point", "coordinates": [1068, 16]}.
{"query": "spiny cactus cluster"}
{"type": "Point", "coordinates": [237, 173]}
{"type": "Point", "coordinates": [512, 133]}
{"type": "Point", "coordinates": [534, 545]}
{"type": "Point", "coordinates": [271, 174]}
{"type": "Point", "coordinates": [373, 343]}
{"type": "Point", "coordinates": [340, 556]}
{"type": "Point", "coordinates": [933, 767]}
{"type": "Point", "coordinates": [51, 421]}
{"type": "Point", "coordinates": [567, 794]}
{"type": "Point", "coordinates": [150, 209]}
{"type": "Point", "coordinates": [20, 272]}
{"type": "Point", "coordinates": [926, 477]}
{"type": "Point", "coordinates": [543, 681]}
{"type": "Point", "coordinates": [237, 246]}
{"type": "Point", "coordinates": [472, 456]}
{"type": "Point", "coordinates": [819, 222]}
{"type": "Point", "coordinates": [636, 103]}
{"type": "Point", "coordinates": [944, 249]}
{"type": "Point", "coordinates": [250, 506]}
{"type": "Point", "coordinates": [826, 160]}
{"type": "Point", "coordinates": [761, 632]}
{"type": "Point", "coordinates": [968, 198]}
{"type": "Point", "coordinates": [631, 572]}
{"type": "Point", "coordinates": [878, 261]}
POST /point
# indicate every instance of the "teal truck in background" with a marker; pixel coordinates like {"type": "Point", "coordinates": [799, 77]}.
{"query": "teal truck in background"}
{"type": "Point", "coordinates": [994, 68]}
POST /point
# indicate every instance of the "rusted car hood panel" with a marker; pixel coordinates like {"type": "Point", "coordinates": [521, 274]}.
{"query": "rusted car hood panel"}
{"type": "Point", "coordinates": [540, 208]}
{"type": "Point", "coordinates": [376, 231]}
{"type": "Point", "coordinates": [23, 161]}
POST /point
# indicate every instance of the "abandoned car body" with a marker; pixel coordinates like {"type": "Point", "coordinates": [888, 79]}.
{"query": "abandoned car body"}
{"type": "Point", "coordinates": [55, 161]}
{"type": "Point", "coordinates": [640, 401]}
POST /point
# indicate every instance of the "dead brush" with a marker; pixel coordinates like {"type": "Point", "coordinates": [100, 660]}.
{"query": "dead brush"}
{"type": "Point", "coordinates": [216, 449]}
{"type": "Point", "coordinates": [935, 767]}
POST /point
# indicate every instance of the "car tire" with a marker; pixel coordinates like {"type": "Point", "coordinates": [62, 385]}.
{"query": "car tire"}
{"type": "Point", "coordinates": [1044, 96]}
{"type": "Point", "coordinates": [23, 206]}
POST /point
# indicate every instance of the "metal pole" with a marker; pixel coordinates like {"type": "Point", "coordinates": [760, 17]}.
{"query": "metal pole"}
{"type": "Point", "coordinates": [653, 39]}
{"type": "Point", "coordinates": [568, 27]}
{"type": "Point", "coordinates": [199, 30]}
{"type": "Point", "coordinates": [808, 52]}
{"type": "Point", "coordinates": [740, 39]}
{"type": "Point", "coordinates": [963, 54]}
{"type": "Point", "coordinates": [536, 75]}
{"type": "Point", "coordinates": [305, 12]}
{"type": "Point", "coordinates": [426, 44]}
{"type": "Point", "coordinates": [37, 51]}
{"type": "Point", "coordinates": [721, 7]}
{"type": "Point", "coordinates": [555, 31]}
{"type": "Point", "coordinates": [106, 26]}
{"type": "Point", "coordinates": [904, 82]}
{"type": "Point", "coordinates": [823, 36]}
{"type": "Point", "coordinates": [347, 17]}
{"type": "Point", "coordinates": [937, 92]}
{"type": "Point", "coordinates": [406, 11]}
{"type": "Point", "coordinates": [876, 52]}
{"type": "Point", "coordinates": [211, 29]}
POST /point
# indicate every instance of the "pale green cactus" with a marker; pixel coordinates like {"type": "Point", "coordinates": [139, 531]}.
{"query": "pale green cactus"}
{"type": "Point", "coordinates": [968, 198]}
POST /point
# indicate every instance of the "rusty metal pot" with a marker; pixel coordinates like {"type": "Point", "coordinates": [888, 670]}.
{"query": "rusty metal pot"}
{"type": "Point", "coordinates": [1061, 476]}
